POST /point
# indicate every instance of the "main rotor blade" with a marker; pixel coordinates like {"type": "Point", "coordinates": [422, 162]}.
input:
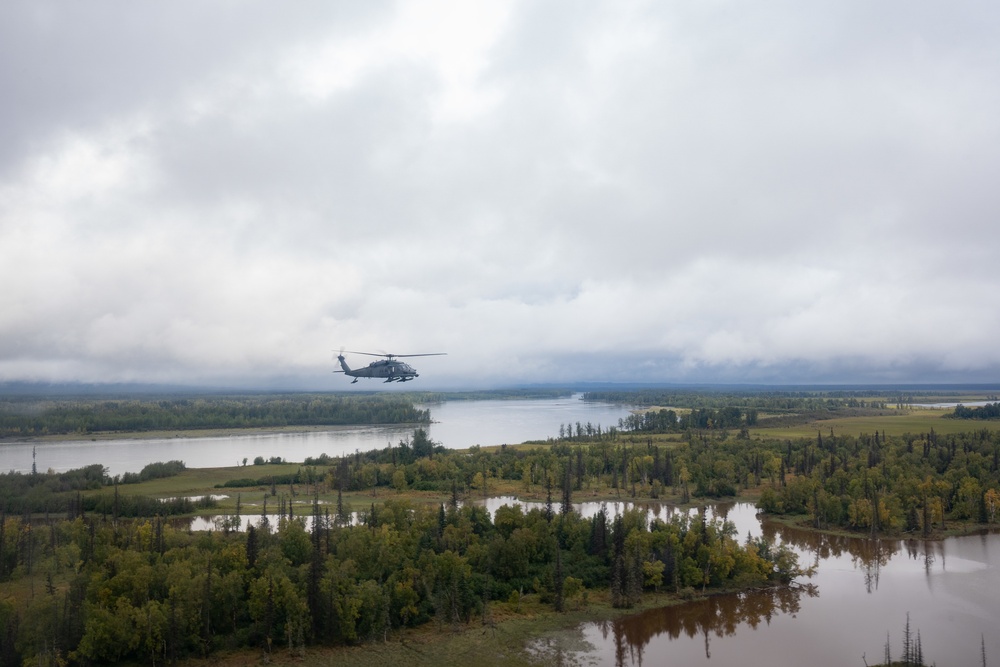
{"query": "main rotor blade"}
{"type": "Point", "coordinates": [429, 354]}
{"type": "Point", "coordinates": [396, 356]}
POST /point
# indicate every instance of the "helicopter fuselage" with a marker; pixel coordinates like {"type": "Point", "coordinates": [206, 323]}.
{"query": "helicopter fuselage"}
{"type": "Point", "coordinates": [391, 370]}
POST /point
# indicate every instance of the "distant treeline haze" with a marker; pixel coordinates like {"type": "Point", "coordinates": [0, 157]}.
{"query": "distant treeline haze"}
{"type": "Point", "coordinates": [31, 418]}
{"type": "Point", "coordinates": [763, 400]}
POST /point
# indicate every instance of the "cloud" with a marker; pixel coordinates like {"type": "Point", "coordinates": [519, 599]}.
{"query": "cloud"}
{"type": "Point", "coordinates": [558, 192]}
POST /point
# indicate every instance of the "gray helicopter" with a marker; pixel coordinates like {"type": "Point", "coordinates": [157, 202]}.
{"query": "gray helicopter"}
{"type": "Point", "coordinates": [387, 367]}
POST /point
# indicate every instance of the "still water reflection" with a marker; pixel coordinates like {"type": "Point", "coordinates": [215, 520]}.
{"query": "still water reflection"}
{"type": "Point", "coordinates": [701, 622]}
{"type": "Point", "coordinates": [861, 590]}
{"type": "Point", "coordinates": [741, 515]}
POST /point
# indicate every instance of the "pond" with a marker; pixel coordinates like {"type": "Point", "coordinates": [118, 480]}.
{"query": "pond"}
{"type": "Point", "coordinates": [741, 515]}
{"type": "Point", "coordinates": [861, 591]}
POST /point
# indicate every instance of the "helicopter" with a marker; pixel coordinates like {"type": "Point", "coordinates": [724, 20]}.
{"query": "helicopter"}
{"type": "Point", "coordinates": [387, 367]}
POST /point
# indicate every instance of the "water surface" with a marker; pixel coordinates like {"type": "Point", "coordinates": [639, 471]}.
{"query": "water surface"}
{"type": "Point", "coordinates": [862, 589]}
{"type": "Point", "coordinates": [968, 404]}
{"type": "Point", "coordinates": [455, 424]}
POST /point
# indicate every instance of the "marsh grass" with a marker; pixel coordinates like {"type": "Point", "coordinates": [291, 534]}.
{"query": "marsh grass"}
{"type": "Point", "coordinates": [506, 637]}
{"type": "Point", "coordinates": [915, 421]}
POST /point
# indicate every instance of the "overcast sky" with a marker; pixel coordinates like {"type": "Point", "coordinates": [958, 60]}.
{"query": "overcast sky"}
{"type": "Point", "coordinates": [704, 191]}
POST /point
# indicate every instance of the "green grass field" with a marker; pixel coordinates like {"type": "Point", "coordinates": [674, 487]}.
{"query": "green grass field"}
{"type": "Point", "coordinates": [915, 421]}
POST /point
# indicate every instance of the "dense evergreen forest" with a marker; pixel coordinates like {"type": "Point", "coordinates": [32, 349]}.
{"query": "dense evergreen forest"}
{"type": "Point", "coordinates": [22, 417]}
{"type": "Point", "coordinates": [113, 589]}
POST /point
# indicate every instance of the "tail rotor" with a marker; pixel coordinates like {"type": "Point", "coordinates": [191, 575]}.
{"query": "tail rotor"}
{"type": "Point", "coordinates": [343, 364]}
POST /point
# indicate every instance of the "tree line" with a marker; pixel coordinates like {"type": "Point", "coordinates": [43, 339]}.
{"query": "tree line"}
{"type": "Point", "coordinates": [988, 411]}
{"type": "Point", "coordinates": [33, 418]}
{"type": "Point", "coordinates": [67, 492]}
{"type": "Point", "coordinates": [669, 421]}
{"type": "Point", "coordinates": [772, 401]}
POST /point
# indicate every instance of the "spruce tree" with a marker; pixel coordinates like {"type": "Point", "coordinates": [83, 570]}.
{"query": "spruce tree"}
{"type": "Point", "coordinates": [567, 493]}
{"type": "Point", "coordinates": [558, 580]}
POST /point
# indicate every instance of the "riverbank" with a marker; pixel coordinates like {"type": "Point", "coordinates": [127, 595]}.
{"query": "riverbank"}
{"type": "Point", "coordinates": [505, 636]}
{"type": "Point", "coordinates": [954, 528]}
{"type": "Point", "coordinates": [111, 436]}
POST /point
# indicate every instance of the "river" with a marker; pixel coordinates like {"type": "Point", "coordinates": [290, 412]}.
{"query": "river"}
{"type": "Point", "coordinates": [861, 589]}
{"type": "Point", "coordinates": [455, 424]}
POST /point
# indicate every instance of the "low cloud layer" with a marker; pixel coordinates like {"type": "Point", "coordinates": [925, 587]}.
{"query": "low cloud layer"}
{"type": "Point", "coordinates": [634, 191]}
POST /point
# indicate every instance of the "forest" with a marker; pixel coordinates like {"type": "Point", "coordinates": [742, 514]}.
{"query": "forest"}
{"type": "Point", "coordinates": [341, 550]}
{"type": "Point", "coordinates": [116, 581]}
{"type": "Point", "coordinates": [26, 417]}
{"type": "Point", "coordinates": [137, 589]}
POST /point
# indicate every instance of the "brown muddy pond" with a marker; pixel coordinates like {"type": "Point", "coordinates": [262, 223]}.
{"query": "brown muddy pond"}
{"type": "Point", "coordinates": [862, 591]}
